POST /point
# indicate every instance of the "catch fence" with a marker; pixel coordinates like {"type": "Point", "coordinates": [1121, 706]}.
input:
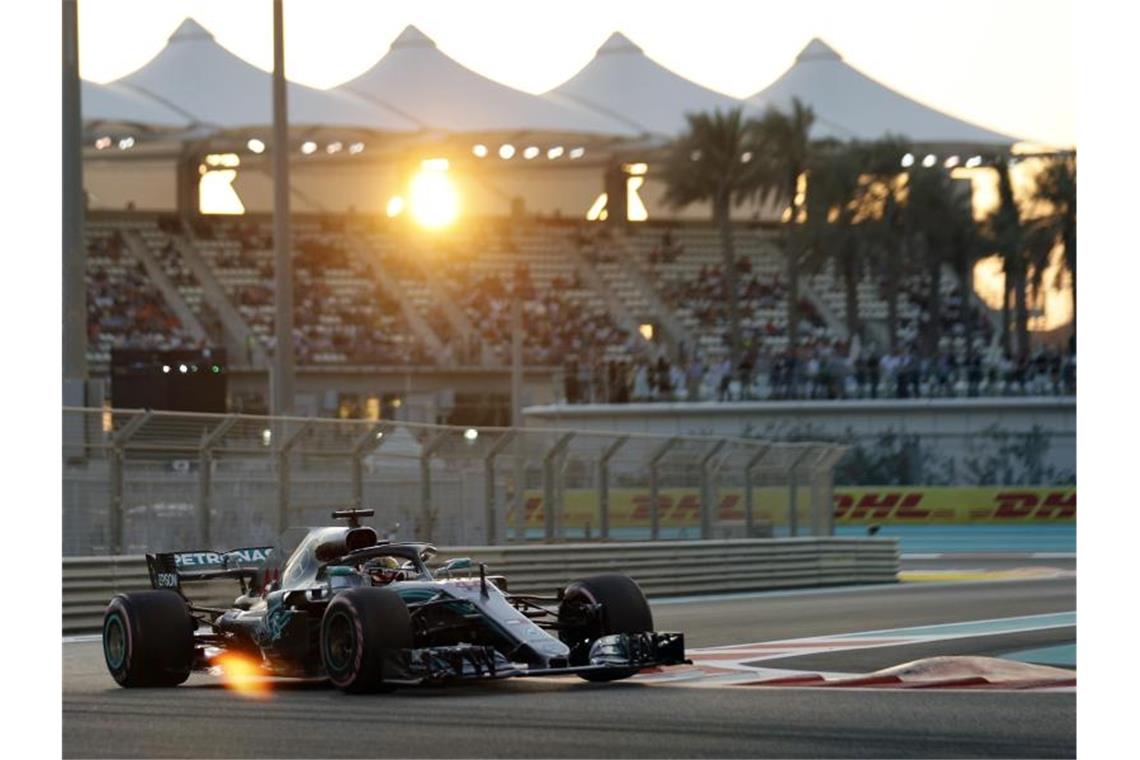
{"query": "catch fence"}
{"type": "Point", "coordinates": [136, 481]}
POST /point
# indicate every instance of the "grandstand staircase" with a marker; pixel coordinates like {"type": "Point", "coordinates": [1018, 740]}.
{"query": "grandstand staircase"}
{"type": "Point", "coordinates": [616, 306]}
{"type": "Point", "coordinates": [625, 269]}
{"type": "Point", "coordinates": [836, 324]}
{"type": "Point", "coordinates": [458, 320]}
{"type": "Point", "coordinates": [412, 315]}
{"type": "Point", "coordinates": [174, 299]}
{"type": "Point", "coordinates": [240, 337]}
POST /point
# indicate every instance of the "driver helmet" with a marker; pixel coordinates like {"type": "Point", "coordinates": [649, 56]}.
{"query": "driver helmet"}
{"type": "Point", "coordinates": [384, 570]}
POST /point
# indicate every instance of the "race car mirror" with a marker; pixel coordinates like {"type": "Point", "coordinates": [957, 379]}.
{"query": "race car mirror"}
{"type": "Point", "coordinates": [458, 563]}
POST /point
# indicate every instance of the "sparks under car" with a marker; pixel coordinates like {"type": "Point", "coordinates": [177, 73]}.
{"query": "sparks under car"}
{"type": "Point", "coordinates": [369, 615]}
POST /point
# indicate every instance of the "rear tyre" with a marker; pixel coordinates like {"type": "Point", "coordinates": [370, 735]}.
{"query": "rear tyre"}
{"type": "Point", "coordinates": [624, 609]}
{"type": "Point", "coordinates": [148, 639]}
{"type": "Point", "coordinates": [358, 627]}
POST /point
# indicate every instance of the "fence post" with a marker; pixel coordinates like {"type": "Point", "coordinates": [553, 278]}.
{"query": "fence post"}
{"type": "Point", "coordinates": [365, 444]}
{"type": "Point", "coordinates": [793, 495]}
{"type": "Point", "coordinates": [115, 521]}
{"type": "Point", "coordinates": [654, 514]}
{"type": "Point", "coordinates": [205, 475]}
{"type": "Point", "coordinates": [119, 442]}
{"type": "Point", "coordinates": [549, 497]}
{"type": "Point", "coordinates": [489, 516]}
{"type": "Point", "coordinates": [707, 499]}
{"type": "Point", "coordinates": [822, 490]}
{"type": "Point", "coordinates": [604, 484]}
{"type": "Point", "coordinates": [749, 518]}
{"type": "Point", "coordinates": [283, 451]}
{"type": "Point", "coordinates": [427, 521]}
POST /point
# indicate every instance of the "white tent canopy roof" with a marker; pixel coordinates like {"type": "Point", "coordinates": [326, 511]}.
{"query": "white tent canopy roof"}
{"type": "Point", "coordinates": [115, 104]}
{"type": "Point", "coordinates": [623, 82]}
{"type": "Point", "coordinates": [416, 79]}
{"type": "Point", "coordinates": [211, 86]}
{"type": "Point", "coordinates": [850, 105]}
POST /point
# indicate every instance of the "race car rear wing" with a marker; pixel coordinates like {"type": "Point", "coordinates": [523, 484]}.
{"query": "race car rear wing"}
{"type": "Point", "coordinates": [170, 569]}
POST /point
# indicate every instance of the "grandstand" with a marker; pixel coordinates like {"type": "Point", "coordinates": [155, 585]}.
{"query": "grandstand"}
{"type": "Point", "coordinates": [624, 309]}
{"type": "Point", "coordinates": [375, 292]}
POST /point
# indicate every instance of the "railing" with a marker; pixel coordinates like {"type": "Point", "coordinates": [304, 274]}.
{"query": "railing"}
{"type": "Point", "coordinates": [661, 569]}
{"type": "Point", "coordinates": [138, 481]}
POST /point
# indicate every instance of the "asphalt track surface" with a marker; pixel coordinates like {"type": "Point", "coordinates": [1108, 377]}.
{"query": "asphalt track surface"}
{"type": "Point", "coordinates": [571, 718]}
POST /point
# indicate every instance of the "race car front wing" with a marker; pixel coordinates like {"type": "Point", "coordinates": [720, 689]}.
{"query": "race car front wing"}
{"type": "Point", "coordinates": [620, 651]}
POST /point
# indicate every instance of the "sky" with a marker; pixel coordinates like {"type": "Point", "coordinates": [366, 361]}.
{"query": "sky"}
{"type": "Point", "coordinates": [1004, 64]}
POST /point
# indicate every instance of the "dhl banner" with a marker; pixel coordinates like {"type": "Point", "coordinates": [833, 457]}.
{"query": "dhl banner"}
{"type": "Point", "coordinates": [889, 505]}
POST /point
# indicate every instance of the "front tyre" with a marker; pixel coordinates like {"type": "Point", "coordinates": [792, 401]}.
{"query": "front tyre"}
{"type": "Point", "coordinates": [358, 627]}
{"type": "Point", "coordinates": [148, 639]}
{"type": "Point", "coordinates": [601, 605]}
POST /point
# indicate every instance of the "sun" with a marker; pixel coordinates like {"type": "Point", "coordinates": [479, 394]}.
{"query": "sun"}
{"type": "Point", "coordinates": [433, 201]}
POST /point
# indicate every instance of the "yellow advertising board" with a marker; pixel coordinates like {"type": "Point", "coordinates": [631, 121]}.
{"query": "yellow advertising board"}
{"type": "Point", "coordinates": [889, 505]}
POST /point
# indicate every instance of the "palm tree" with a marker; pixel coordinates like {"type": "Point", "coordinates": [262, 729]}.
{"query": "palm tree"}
{"type": "Point", "coordinates": [1057, 187]}
{"type": "Point", "coordinates": [832, 206]}
{"type": "Point", "coordinates": [714, 161]}
{"type": "Point", "coordinates": [786, 151]}
{"type": "Point", "coordinates": [942, 226]}
{"type": "Point", "coordinates": [883, 220]}
{"type": "Point", "coordinates": [1004, 227]}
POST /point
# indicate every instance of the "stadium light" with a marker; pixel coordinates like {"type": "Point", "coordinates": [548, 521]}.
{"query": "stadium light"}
{"type": "Point", "coordinates": [215, 369]}
{"type": "Point", "coordinates": [470, 435]}
{"type": "Point", "coordinates": [308, 147]}
{"type": "Point", "coordinates": [334, 147]}
{"type": "Point", "coordinates": [255, 145]}
{"type": "Point", "coordinates": [577, 152]}
{"type": "Point", "coordinates": [951, 162]}
{"type": "Point", "coordinates": [973, 162]}
{"type": "Point", "coordinates": [635, 210]}
{"type": "Point", "coordinates": [930, 160]}
{"type": "Point", "coordinates": [554, 152]}
{"type": "Point", "coordinates": [531, 152]}
{"type": "Point", "coordinates": [908, 160]}
{"type": "Point", "coordinates": [636, 169]}
{"type": "Point", "coordinates": [266, 437]}
{"type": "Point", "coordinates": [646, 330]}
{"type": "Point", "coordinates": [166, 369]}
{"type": "Point", "coordinates": [356, 147]}
{"type": "Point", "coordinates": [479, 150]}
{"type": "Point", "coordinates": [183, 368]}
{"type": "Point", "coordinates": [126, 143]}
{"type": "Point", "coordinates": [103, 143]}
{"type": "Point", "coordinates": [506, 151]}
{"type": "Point", "coordinates": [598, 210]}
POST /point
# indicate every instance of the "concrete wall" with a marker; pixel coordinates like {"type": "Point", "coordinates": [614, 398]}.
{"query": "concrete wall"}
{"type": "Point", "coordinates": [963, 441]}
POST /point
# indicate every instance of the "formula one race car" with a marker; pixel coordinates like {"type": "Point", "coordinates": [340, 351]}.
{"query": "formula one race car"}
{"type": "Point", "coordinates": [338, 602]}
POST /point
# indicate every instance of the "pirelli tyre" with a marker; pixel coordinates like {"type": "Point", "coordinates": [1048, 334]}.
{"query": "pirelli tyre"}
{"type": "Point", "coordinates": [358, 626]}
{"type": "Point", "coordinates": [148, 639]}
{"type": "Point", "coordinates": [621, 608]}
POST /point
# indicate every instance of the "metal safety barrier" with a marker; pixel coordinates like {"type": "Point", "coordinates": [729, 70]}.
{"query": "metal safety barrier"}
{"type": "Point", "coordinates": [136, 481]}
{"type": "Point", "coordinates": [662, 568]}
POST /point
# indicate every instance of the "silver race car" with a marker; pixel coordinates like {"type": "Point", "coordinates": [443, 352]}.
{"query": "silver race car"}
{"type": "Point", "coordinates": [338, 602]}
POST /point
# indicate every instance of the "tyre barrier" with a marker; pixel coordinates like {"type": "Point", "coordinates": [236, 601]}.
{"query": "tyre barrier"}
{"type": "Point", "coordinates": [661, 568]}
